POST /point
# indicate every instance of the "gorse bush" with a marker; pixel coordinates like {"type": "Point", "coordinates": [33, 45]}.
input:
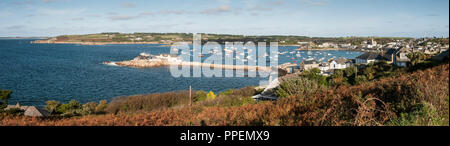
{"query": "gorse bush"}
{"type": "Point", "coordinates": [149, 102]}
{"type": "Point", "coordinates": [424, 114]}
{"type": "Point", "coordinates": [210, 96]}
{"type": "Point", "coordinates": [74, 108]}
{"type": "Point", "coordinates": [200, 96]}
{"type": "Point", "coordinates": [314, 75]}
{"type": "Point", "coordinates": [232, 97]}
{"type": "Point", "coordinates": [296, 85]}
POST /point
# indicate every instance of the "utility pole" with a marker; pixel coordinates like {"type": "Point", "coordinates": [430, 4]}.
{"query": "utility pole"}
{"type": "Point", "coordinates": [190, 96]}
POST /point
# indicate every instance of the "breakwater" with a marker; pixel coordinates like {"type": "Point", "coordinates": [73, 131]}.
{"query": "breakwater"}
{"type": "Point", "coordinates": [143, 63]}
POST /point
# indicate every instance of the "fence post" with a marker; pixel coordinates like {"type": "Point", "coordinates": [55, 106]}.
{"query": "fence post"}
{"type": "Point", "coordinates": [190, 96]}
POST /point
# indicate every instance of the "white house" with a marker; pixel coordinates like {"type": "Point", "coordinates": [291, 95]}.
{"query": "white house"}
{"type": "Point", "coordinates": [338, 64]}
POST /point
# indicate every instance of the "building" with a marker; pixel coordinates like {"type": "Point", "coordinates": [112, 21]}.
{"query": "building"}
{"type": "Point", "coordinates": [441, 56]}
{"type": "Point", "coordinates": [389, 55]}
{"type": "Point", "coordinates": [324, 67]}
{"type": "Point", "coordinates": [31, 111]}
{"type": "Point", "coordinates": [368, 57]}
{"type": "Point", "coordinates": [339, 63]}
{"type": "Point", "coordinates": [289, 67]}
{"type": "Point", "coordinates": [308, 64]}
{"type": "Point", "coordinates": [401, 58]}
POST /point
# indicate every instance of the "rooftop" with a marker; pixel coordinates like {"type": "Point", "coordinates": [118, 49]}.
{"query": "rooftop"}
{"type": "Point", "coordinates": [370, 56]}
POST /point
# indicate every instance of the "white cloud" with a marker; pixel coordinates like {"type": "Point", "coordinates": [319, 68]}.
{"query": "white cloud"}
{"type": "Point", "coordinates": [221, 9]}
{"type": "Point", "coordinates": [315, 2]}
{"type": "Point", "coordinates": [52, 1]}
{"type": "Point", "coordinates": [128, 5]}
{"type": "Point", "coordinates": [60, 12]}
{"type": "Point", "coordinates": [15, 27]}
{"type": "Point", "coordinates": [122, 17]}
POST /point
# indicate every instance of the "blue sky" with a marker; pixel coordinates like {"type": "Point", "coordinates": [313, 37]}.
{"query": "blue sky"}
{"type": "Point", "coordinates": [318, 18]}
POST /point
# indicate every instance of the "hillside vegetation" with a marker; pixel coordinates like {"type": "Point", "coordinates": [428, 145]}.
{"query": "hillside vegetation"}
{"type": "Point", "coordinates": [169, 38]}
{"type": "Point", "coordinates": [415, 97]}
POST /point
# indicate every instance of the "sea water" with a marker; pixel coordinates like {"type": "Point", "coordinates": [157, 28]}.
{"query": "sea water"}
{"type": "Point", "coordinates": [37, 73]}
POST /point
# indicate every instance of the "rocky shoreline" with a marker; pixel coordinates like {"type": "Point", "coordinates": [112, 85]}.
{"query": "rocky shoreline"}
{"type": "Point", "coordinates": [143, 63]}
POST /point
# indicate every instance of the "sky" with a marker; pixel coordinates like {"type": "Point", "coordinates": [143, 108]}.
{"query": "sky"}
{"type": "Point", "coordinates": [314, 18]}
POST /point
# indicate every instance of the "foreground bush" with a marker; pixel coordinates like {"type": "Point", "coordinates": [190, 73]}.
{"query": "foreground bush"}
{"type": "Point", "coordinates": [296, 85]}
{"type": "Point", "coordinates": [148, 102]}
{"type": "Point", "coordinates": [74, 108]}
{"type": "Point", "coordinates": [232, 97]}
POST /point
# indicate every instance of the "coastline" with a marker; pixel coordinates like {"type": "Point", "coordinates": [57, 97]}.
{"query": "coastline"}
{"type": "Point", "coordinates": [139, 63]}
{"type": "Point", "coordinates": [89, 43]}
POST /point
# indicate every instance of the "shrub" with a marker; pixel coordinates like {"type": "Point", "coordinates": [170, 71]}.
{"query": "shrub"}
{"type": "Point", "coordinates": [52, 106]}
{"type": "Point", "coordinates": [210, 96]}
{"type": "Point", "coordinates": [14, 111]}
{"type": "Point", "coordinates": [314, 75]}
{"type": "Point", "coordinates": [88, 108]}
{"type": "Point", "coordinates": [148, 102]}
{"type": "Point", "coordinates": [232, 97]}
{"type": "Point", "coordinates": [4, 96]}
{"type": "Point", "coordinates": [200, 96]}
{"type": "Point", "coordinates": [424, 114]}
{"type": "Point", "coordinates": [360, 79]}
{"type": "Point", "coordinates": [295, 85]}
{"type": "Point", "coordinates": [70, 109]}
{"type": "Point", "coordinates": [101, 107]}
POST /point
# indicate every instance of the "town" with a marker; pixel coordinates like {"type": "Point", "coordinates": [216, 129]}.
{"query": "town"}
{"type": "Point", "coordinates": [393, 52]}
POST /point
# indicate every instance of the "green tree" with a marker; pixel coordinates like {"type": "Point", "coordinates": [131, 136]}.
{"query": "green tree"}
{"type": "Point", "coordinates": [200, 96]}
{"type": "Point", "coordinates": [369, 72]}
{"type": "Point", "coordinates": [69, 108]}
{"type": "Point", "coordinates": [360, 79]}
{"type": "Point", "coordinates": [350, 71]}
{"type": "Point", "coordinates": [338, 78]}
{"type": "Point", "coordinates": [4, 96]}
{"type": "Point", "coordinates": [416, 57]}
{"type": "Point", "coordinates": [51, 106]}
{"type": "Point", "coordinates": [88, 108]}
{"type": "Point", "coordinates": [314, 75]}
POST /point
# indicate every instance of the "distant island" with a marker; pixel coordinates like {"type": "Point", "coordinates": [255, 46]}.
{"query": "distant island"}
{"type": "Point", "coordinates": [24, 38]}
{"type": "Point", "coordinates": [170, 38]}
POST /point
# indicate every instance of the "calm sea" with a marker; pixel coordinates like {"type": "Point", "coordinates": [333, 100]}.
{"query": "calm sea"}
{"type": "Point", "coordinates": [40, 72]}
